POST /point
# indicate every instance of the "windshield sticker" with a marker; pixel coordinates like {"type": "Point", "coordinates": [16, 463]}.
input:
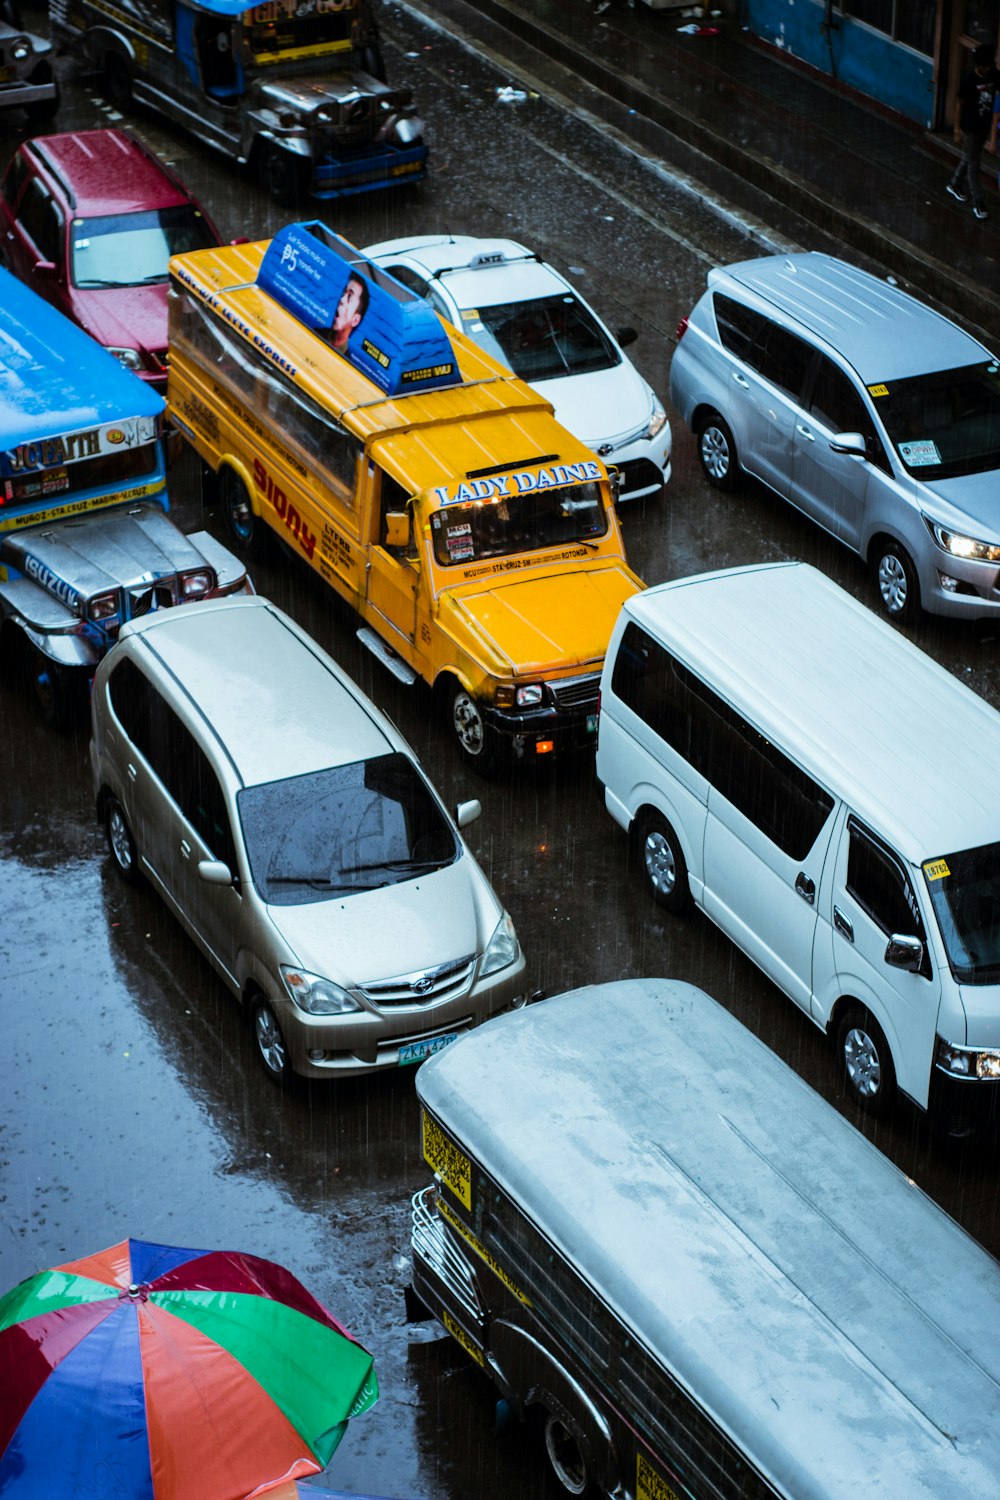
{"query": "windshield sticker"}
{"type": "Point", "coordinates": [920, 453]}
{"type": "Point", "coordinates": [458, 541]}
{"type": "Point", "coordinates": [878, 390]}
{"type": "Point", "coordinates": [936, 869]}
{"type": "Point", "coordinates": [515, 484]}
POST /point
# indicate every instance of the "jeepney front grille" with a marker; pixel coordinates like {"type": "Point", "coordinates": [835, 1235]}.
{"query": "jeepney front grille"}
{"type": "Point", "coordinates": [424, 986]}
{"type": "Point", "coordinates": [142, 601]}
{"type": "Point", "coordinates": [432, 1243]}
{"type": "Point", "coordinates": [578, 693]}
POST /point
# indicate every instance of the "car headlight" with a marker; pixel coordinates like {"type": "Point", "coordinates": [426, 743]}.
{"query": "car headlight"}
{"type": "Point", "coordinates": [967, 1062]}
{"type": "Point", "coordinates": [502, 949]}
{"type": "Point", "coordinates": [128, 357]}
{"type": "Point", "coordinates": [964, 546]}
{"type": "Point", "coordinates": [316, 996]}
{"type": "Point", "coordinates": [21, 51]}
{"type": "Point", "coordinates": [526, 695]}
{"type": "Point", "coordinates": [656, 421]}
{"type": "Point", "coordinates": [193, 585]}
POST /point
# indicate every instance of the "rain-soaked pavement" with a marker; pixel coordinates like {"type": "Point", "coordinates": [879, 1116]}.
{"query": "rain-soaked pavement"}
{"type": "Point", "coordinates": [133, 1104]}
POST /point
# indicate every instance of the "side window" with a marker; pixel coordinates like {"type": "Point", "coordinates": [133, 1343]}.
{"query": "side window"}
{"type": "Point", "coordinates": [738, 326]}
{"type": "Point", "coordinates": [880, 885]}
{"type": "Point", "coordinates": [131, 695]}
{"type": "Point", "coordinates": [786, 804]}
{"type": "Point", "coordinates": [783, 358]}
{"type": "Point", "coordinates": [42, 222]}
{"type": "Point", "coordinates": [837, 403]}
{"type": "Point", "coordinates": [410, 279]}
{"type": "Point", "coordinates": [439, 305]}
{"type": "Point", "coordinates": [185, 771]}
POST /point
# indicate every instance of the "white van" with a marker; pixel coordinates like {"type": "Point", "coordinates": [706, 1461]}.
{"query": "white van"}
{"type": "Point", "coordinates": [828, 795]}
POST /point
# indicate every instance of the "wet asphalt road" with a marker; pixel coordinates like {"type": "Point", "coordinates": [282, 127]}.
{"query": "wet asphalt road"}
{"type": "Point", "coordinates": [133, 1104]}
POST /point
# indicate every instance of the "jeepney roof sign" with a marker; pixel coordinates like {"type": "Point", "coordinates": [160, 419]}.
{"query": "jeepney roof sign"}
{"type": "Point", "coordinates": [382, 328]}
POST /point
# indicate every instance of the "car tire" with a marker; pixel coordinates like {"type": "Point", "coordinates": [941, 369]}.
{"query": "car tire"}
{"type": "Point", "coordinates": [717, 452]}
{"type": "Point", "coordinates": [896, 581]}
{"type": "Point", "coordinates": [269, 1041]}
{"type": "Point", "coordinates": [244, 529]}
{"type": "Point", "coordinates": [865, 1061]}
{"type": "Point", "coordinates": [283, 176]}
{"type": "Point", "coordinates": [117, 81]}
{"type": "Point", "coordinates": [664, 868]}
{"type": "Point", "coordinates": [51, 689]}
{"type": "Point", "coordinates": [566, 1458]}
{"type": "Point", "coordinates": [121, 844]}
{"type": "Point", "coordinates": [473, 736]}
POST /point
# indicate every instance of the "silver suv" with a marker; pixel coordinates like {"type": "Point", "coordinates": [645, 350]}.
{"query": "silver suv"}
{"type": "Point", "coordinates": [290, 829]}
{"type": "Point", "coordinates": [875, 416]}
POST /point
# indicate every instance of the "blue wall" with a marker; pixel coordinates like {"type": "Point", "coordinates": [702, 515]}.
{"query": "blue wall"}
{"type": "Point", "coordinates": [864, 59]}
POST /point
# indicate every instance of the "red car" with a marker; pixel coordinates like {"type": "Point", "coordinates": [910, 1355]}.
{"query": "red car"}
{"type": "Point", "coordinates": [90, 219]}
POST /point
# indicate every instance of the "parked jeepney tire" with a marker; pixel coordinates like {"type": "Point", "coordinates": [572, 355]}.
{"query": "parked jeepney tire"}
{"type": "Point", "coordinates": [53, 690]}
{"type": "Point", "coordinates": [566, 1457]}
{"type": "Point", "coordinates": [121, 844]}
{"type": "Point", "coordinates": [717, 452]}
{"type": "Point", "coordinates": [283, 176]}
{"type": "Point", "coordinates": [117, 81]}
{"type": "Point", "coordinates": [865, 1061]}
{"type": "Point", "coordinates": [45, 109]}
{"type": "Point", "coordinates": [896, 580]}
{"type": "Point", "coordinates": [664, 868]}
{"type": "Point", "coordinates": [269, 1041]}
{"type": "Point", "coordinates": [244, 530]}
{"type": "Point", "coordinates": [474, 738]}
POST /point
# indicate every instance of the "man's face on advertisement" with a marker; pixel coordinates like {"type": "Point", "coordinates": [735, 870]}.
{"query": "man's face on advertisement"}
{"type": "Point", "coordinates": [348, 314]}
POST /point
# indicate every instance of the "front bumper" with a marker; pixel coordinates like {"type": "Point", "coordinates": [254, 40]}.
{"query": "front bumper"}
{"type": "Point", "coordinates": [370, 1042]}
{"type": "Point", "coordinates": [566, 725]}
{"type": "Point", "coordinates": [643, 464]}
{"type": "Point", "coordinates": [341, 174]}
{"type": "Point", "coordinates": [961, 1105]}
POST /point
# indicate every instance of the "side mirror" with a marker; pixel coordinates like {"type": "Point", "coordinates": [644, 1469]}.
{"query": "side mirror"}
{"type": "Point", "coordinates": [906, 953]}
{"type": "Point", "coordinates": [849, 442]}
{"type": "Point", "coordinates": [214, 872]}
{"type": "Point", "coordinates": [626, 336]}
{"type": "Point", "coordinates": [397, 529]}
{"type": "Point", "coordinates": [467, 812]}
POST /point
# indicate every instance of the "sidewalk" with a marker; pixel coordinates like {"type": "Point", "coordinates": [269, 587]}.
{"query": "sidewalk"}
{"type": "Point", "coordinates": [770, 137]}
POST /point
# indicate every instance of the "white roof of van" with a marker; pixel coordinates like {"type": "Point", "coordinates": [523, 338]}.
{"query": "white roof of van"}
{"type": "Point", "coordinates": [824, 1310]}
{"type": "Point", "coordinates": [912, 750]}
{"type": "Point", "coordinates": [278, 704]}
{"type": "Point", "coordinates": [883, 332]}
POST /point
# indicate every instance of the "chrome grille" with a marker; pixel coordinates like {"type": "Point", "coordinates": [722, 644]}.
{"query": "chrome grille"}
{"type": "Point", "coordinates": [424, 986]}
{"type": "Point", "coordinates": [431, 1242]}
{"type": "Point", "coordinates": [577, 692]}
{"type": "Point", "coordinates": [141, 601]}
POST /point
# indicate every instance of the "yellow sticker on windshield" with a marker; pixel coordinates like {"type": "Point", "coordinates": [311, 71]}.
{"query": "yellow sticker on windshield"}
{"type": "Point", "coordinates": [936, 869]}
{"type": "Point", "coordinates": [878, 390]}
{"type": "Point", "coordinates": [470, 313]}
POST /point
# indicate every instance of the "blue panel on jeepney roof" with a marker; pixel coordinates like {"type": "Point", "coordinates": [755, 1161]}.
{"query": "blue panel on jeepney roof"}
{"type": "Point", "coordinates": [397, 339]}
{"type": "Point", "coordinates": [54, 377]}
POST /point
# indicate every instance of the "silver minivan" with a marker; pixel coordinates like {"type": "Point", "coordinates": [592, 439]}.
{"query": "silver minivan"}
{"type": "Point", "coordinates": [290, 829]}
{"type": "Point", "coordinates": [875, 416]}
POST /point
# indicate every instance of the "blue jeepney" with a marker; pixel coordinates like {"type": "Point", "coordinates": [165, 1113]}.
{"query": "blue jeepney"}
{"type": "Point", "coordinates": [294, 88]}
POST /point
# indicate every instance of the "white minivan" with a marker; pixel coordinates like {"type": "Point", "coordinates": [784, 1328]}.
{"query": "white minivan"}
{"type": "Point", "coordinates": [827, 794]}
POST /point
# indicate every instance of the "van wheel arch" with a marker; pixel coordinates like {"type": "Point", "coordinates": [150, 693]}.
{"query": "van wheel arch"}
{"type": "Point", "coordinates": [864, 1056]}
{"type": "Point", "coordinates": [659, 852]}
{"type": "Point", "coordinates": [897, 584]}
{"type": "Point", "coordinates": [717, 450]}
{"type": "Point", "coordinates": [243, 525]}
{"type": "Point", "coordinates": [462, 714]}
{"type": "Point", "coordinates": [568, 1450]}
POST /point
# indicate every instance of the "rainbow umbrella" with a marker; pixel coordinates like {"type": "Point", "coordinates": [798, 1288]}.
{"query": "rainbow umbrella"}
{"type": "Point", "coordinates": [148, 1372]}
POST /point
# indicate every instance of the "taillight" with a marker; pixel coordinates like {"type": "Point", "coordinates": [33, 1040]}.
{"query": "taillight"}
{"type": "Point", "coordinates": [682, 329]}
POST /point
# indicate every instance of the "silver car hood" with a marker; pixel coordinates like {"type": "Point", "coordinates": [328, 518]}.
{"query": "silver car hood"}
{"type": "Point", "coordinates": [971, 503]}
{"type": "Point", "coordinates": [397, 929]}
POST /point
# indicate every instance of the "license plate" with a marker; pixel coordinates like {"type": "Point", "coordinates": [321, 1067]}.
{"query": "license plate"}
{"type": "Point", "coordinates": [414, 1052]}
{"type": "Point", "coordinates": [591, 723]}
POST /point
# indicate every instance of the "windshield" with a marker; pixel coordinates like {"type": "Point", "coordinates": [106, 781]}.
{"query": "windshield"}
{"type": "Point", "coordinates": [543, 338]}
{"type": "Point", "coordinates": [946, 424]}
{"type": "Point", "coordinates": [289, 26]}
{"type": "Point", "coordinates": [134, 249]}
{"type": "Point", "coordinates": [343, 830]}
{"type": "Point", "coordinates": [518, 523]}
{"type": "Point", "coordinates": [965, 895]}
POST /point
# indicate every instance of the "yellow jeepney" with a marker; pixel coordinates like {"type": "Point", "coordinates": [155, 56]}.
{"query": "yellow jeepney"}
{"type": "Point", "coordinates": [475, 536]}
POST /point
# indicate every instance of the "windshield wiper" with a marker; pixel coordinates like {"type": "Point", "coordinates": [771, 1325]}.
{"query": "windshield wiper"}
{"type": "Point", "coordinates": [396, 864]}
{"type": "Point", "coordinates": [322, 882]}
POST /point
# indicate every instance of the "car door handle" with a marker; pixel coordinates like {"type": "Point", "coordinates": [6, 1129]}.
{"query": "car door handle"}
{"type": "Point", "coordinates": [741, 380]}
{"type": "Point", "coordinates": [842, 925]}
{"type": "Point", "coordinates": [805, 887]}
{"type": "Point", "coordinates": [185, 849]}
{"type": "Point", "coordinates": [804, 432]}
